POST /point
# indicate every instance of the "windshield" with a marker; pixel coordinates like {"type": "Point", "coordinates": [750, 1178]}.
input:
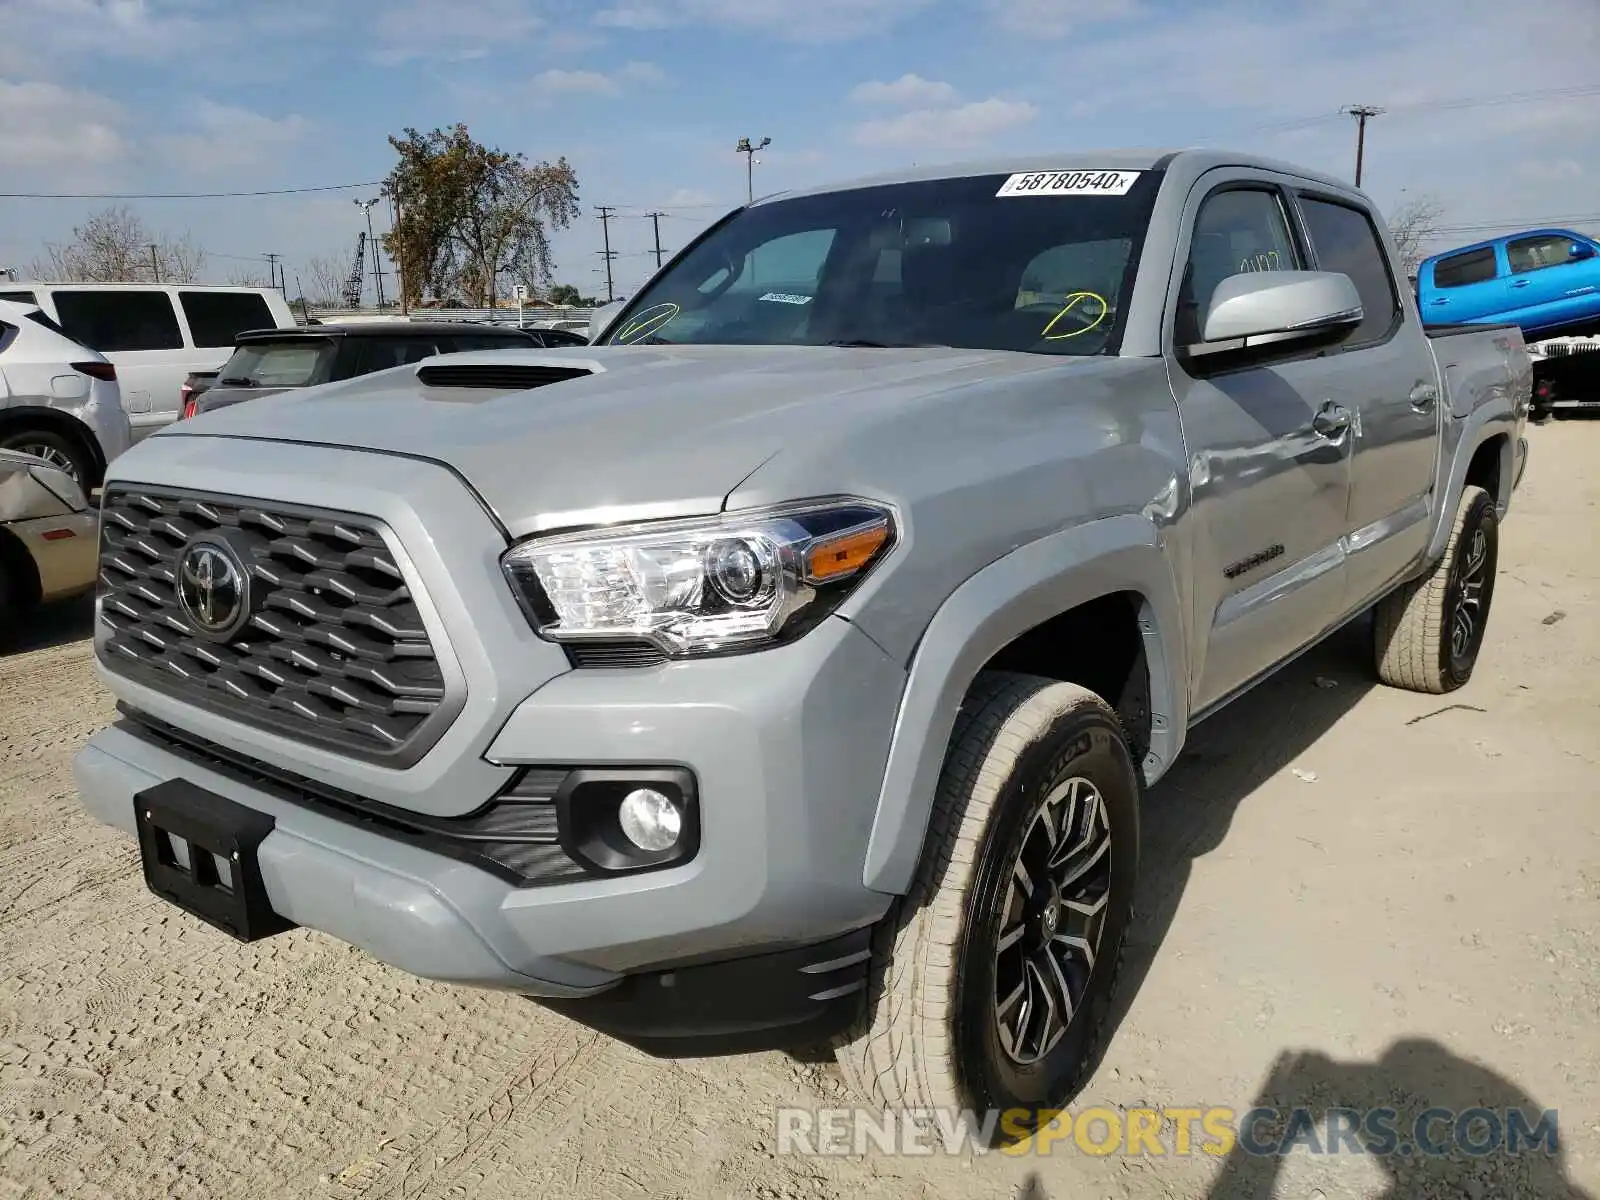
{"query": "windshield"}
{"type": "Point", "coordinates": [1037, 268]}
{"type": "Point", "coordinates": [297, 363]}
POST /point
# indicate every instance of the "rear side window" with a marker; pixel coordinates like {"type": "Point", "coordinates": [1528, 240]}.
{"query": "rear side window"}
{"type": "Point", "coordinates": [216, 318]}
{"type": "Point", "coordinates": [1470, 266]}
{"type": "Point", "coordinates": [112, 321]}
{"type": "Point", "coordinates": [19, 297]}
{"type": "Point", "coordinates": [1345, 240]}
{"type": "Point", "coordinates": [369, 354]}
{"type": "Point", "coordinates": [38, 317]}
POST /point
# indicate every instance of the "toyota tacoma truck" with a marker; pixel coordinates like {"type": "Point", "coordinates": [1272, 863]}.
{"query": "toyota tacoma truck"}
{"type": "Point", "coordinates": [786, 667]}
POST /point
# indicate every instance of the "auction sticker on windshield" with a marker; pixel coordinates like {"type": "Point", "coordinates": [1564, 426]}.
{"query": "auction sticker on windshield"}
{"type": "Point", "coordinates": [1069, 183]}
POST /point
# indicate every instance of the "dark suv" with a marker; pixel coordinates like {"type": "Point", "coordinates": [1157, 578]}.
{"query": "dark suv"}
{"type": "Point", "coordinates": [268, 361]}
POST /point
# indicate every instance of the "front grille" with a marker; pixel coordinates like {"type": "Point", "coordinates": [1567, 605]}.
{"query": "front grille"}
{"type": "Point", "coordinates": [510, 377]}
{"type": "Point", "coordinates": [334, 652]}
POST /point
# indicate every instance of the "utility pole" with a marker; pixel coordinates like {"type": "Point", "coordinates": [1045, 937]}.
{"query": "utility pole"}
{"type": "Point", "coordinates": [377, 256]}
{"type": "Point", "coordinates": [606, 212]}
{"type": "Point", "coordinates": [655, 220]}
{"type": "Point", "coordinates": [155, 264]}
{"type": "Point", "coordinates": [745, 148]}
{"type": "Point", "coordinates": [272, 273]}
{"type": "Point", "coordinates": [1362, 112]}
{"type": "Point", "coordinates": [400, 262]}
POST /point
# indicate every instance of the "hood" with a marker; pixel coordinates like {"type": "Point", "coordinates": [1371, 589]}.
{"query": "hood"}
{"type": "Point", "coordinates": [650, 432]}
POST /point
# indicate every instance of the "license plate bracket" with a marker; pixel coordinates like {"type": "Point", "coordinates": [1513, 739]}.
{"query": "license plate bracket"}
{"type": "Point", "coordinates": [199, 851]}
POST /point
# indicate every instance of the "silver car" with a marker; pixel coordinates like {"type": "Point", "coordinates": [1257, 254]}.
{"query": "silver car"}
{"type": "Point", "coordinates": [47, 536]}
{"type": "Point", "coordinates": [59, 400]}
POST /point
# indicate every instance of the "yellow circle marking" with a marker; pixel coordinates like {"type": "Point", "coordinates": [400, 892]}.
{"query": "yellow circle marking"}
{"type": "Point", "coordinates": [1073, 301]}
{"type": "Point", "coordinates": [647, 322]}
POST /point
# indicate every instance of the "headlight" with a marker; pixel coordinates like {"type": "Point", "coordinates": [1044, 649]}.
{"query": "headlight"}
{"type": "Point", "coordinates": [734, 581]}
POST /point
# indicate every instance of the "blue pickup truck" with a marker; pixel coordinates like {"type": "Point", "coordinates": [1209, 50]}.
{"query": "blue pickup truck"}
{"type": "Point", "coordinates": [1545, 280]}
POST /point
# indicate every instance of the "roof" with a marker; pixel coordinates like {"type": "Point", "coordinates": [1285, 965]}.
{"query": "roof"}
{"type": "Point", "coordinates": [131, 287]}
{"type": "Point", "coordinates": [1193, 161]}
{"type": "Point", "coordinates": [382, 329]}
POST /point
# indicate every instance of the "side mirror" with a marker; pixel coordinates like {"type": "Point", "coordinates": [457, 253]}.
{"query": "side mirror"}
{"type": "Point", "coordinates": [1280, 306]}
{"type": "Point", "coordinates": [601, 317]}
{"type": "Point", "coordinates": [1580, 251]}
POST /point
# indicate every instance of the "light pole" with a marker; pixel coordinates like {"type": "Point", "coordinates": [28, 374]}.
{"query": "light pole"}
{"type": "Point", "coordinates": [377, 258]}
{"type": "Point", "coordinates": [745, 148]}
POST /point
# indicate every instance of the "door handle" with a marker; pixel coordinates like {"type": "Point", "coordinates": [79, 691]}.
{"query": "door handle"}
{"type": "Point", "coordinates": [1440, 300]}
{"type": "Point", "coordinates": [1331, 421]}
{"type": "Point", "coordinates": [1424, 397]}
{"type": "Point", "coordinates": [1520, 283]}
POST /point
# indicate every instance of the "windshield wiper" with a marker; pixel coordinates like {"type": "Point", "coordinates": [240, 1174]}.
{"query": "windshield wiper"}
{"type": "Point", "coordinates": [237, 381]}
{"type": "Point", "coordinates": [869, 344]}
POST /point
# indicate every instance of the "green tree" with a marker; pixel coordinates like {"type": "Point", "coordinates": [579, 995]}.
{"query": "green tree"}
{"type": "Point", "coordinates": [469, 217]}
{"type": "Point", "coordinates": [567, 295]}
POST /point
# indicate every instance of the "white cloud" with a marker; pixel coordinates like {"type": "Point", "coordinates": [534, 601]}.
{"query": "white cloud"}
{"type": "Point", "coordinates": [227, 139]}
{"type": "Point", "coordinates": [51, 127]}
{"type": "Point", "coordinates": [909, 91]}
{"type": "Point", "coordinates": [559, 82]}
{"type": "Point", "coordinates": [424, 29]}
{"type": "Point", "coordinates": [1057, 18]}
{"type": "Point", "coordinates": [815, 21]}
{"type": "Point", "coordinates": [635, 17]}
{"type": "Point", "coordinates": [964, 126]}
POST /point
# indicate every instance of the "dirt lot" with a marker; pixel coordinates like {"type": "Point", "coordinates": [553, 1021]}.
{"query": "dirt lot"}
{"type": "Point", "coordinates": [1352, 896]}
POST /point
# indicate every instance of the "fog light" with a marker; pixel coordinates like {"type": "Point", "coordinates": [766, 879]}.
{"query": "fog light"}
{"type": "Point", "coordinates": [650, 820]}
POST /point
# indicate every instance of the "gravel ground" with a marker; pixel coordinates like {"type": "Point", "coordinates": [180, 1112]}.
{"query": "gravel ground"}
{"type": "Point", "coordinates": [1352, 895]}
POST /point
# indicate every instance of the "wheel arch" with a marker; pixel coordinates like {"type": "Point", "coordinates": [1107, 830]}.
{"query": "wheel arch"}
{"type": "Point", "coordinates": [18, 564]}
{"type": "Point", "coordinates": [53, 420]}
{"type": "Point", "coordinates": [1022, 612]}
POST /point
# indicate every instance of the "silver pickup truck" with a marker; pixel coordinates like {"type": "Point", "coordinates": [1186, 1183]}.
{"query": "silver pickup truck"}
{"type": "Point", "coordinates": [787, 666]}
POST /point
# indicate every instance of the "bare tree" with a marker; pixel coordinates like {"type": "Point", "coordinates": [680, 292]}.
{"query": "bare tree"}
{"type": "Point", "coordinates": [1413, 226]}
{"type": "Point", "coordinates": [328, 273]}
{"type": "Point", "coordinates": [245, 277]}
{"type": "Point", "coordinates": [115, 245]}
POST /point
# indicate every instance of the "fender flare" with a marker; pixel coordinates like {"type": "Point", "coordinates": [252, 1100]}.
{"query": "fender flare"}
{"type": "Point", "coordinates": [1477, 427]}
{"type": "Point", "coordinates": [56, 421]}
{"type": "Point", "coordinates": [1023, 589]}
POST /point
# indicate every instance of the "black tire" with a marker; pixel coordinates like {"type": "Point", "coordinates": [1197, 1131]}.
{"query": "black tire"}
{"type": "Point", "coordinates": [1418, 643]}
{"type": "Point", "coordinates": [931, 1033]}
{"type": "Point", "coordinates": [58, 451]}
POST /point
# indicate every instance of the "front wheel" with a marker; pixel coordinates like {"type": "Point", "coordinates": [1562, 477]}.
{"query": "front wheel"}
{"type": "Point", "coordinates": [59, 452]}
{"type": "Point", "coordinates": [1427, 635]}
{"type": "Point", "coordinates": [992, 981]}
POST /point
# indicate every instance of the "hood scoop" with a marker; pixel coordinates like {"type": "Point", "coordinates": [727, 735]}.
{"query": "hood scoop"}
{"type": "Point", "coordinates": [498, 376]}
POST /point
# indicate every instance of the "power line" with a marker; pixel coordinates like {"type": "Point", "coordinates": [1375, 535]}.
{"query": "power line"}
{"type": "Point", "coordinates": [291, 191]}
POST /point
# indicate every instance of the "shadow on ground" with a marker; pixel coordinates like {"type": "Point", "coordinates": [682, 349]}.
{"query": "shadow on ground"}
{"type": "Point", "coordinates": [48, 626]}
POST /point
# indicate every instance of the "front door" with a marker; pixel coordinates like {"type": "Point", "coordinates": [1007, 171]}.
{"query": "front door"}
{"type": "Point", "coordinates": [1269, 453]}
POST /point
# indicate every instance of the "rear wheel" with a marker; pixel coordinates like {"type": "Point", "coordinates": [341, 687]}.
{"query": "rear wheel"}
{"type": "Point", "coordinates": [1427, 635]}
{"type": "Point", "coordinates": [60, 452]}
{"type": "Point", "coordinates": [992, 981]}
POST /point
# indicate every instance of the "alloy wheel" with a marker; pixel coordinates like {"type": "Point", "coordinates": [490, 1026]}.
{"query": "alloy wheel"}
{"type": "Point", "coordinates": [1466, 622]}
{"type": "Point", "coordinates": [1055, 912]}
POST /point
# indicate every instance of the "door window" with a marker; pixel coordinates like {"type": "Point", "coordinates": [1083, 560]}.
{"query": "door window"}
{"type": "Point", "coordinates": [1539, 251]}
{"type": "Point", "coordinates": [1237, 231]}
{"type": "Point", "coordinates": [216, 318]}
{"type": "Point", "coordinates": [109, 321]}
{"type": "Point", "coordinates": [1345, 240]}
{"type": "Point", "coordinates": [1470, 266]}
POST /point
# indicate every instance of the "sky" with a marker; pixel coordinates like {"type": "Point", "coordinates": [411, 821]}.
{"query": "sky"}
{"type": "Point", "coordinates": [1492, 108]}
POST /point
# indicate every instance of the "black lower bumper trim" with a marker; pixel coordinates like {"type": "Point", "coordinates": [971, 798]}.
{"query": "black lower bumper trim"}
{"type": "Point", "coordinates": [769, 1001]}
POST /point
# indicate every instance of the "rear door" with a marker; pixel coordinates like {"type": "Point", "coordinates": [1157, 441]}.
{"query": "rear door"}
{"type": "Point", "coordinates": [1388, 380]}
{"type": "Point", "coordinates": [1466, 286]}
{"type": "Point", "coordinates": [1269, 472]}
{"type": "Point", "coordinates": [138, 330]}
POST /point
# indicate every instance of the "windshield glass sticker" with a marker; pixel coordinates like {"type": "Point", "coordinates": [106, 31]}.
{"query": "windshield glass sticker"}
{"type": "Point", "coordinates": [1069, 183]}
{"type": "Point", "coordinates": [1088, 317]}
{"type": "Point", "coordinates": [645, 323]}
{"type": "Point", "coordinates": [786, 298]}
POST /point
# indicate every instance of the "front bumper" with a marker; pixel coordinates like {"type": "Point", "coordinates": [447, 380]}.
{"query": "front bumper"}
{"type": "Point", "coordinates": [63, 552]}
{"type": "Point", "coordinates": [786, 747]}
